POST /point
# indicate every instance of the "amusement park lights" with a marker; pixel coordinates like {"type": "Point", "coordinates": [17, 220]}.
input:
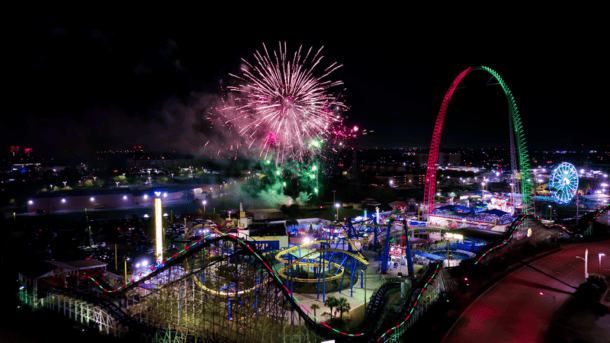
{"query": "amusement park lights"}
{"type": "Point", "coordinates": [273, 276]}
{"type": "Point", "coordinates": [158, 229]}
{"type": "Point", "coordinates": [411, 306]}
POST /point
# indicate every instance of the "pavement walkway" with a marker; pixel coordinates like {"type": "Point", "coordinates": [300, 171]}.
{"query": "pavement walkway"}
{"type": "Point", "coordinates": [522, 306]}
{"type": "Point", "coordinates": [373, 281]}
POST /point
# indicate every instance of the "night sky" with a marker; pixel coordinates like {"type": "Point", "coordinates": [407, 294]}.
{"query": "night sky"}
{"type": "Point", "coordinates": [74, 87]}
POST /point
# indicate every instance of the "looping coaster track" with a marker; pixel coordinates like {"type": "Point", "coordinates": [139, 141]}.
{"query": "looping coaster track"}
{"type": "Point", "coordinates": [373, 330]}
{"type": "Point", "coordinates": [312, 321]}
{"type": "Point", "coordinates": [510, 232]}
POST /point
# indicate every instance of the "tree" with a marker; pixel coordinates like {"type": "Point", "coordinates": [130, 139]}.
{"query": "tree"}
{"type": "Point", "coordinates": [314, 307]}
{"type": "Point", "coordinates": [343, 306]}
{"type": "Point", "coordinates": [331, 302]}
{"type": "Point", "coordinates": [213, 216]}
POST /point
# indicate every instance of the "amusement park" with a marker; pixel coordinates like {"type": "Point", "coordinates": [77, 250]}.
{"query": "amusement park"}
{"type": "Point", "coordinates": [376, 273]}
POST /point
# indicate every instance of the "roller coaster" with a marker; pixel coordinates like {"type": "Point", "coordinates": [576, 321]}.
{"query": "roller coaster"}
{"type": "Point", "coordinates": [258, 301]}
{"type": "Point", "coordinates": [318, 326]}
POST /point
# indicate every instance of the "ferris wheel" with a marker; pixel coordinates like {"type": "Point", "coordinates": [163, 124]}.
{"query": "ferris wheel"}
{"type": "Point", "coordinates": [564, 182]}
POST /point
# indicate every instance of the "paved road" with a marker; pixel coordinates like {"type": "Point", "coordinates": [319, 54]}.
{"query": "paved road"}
{"type": "Point", "coordinates": [513, 309]}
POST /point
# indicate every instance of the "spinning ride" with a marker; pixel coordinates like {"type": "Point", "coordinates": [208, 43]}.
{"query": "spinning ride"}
{"type": "Point", "coordinates": [564, 182]}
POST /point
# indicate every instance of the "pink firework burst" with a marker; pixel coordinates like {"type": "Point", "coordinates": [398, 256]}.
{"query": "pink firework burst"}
{"type": "Point", "coordinates": [281, 106]}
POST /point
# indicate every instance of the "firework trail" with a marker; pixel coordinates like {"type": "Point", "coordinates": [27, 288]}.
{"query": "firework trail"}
{"type": "Point", "coordinates": [281, 107]}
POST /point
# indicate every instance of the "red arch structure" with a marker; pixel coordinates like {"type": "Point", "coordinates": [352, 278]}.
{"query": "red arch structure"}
{"type": "Point", "coordinates": [516, 125]}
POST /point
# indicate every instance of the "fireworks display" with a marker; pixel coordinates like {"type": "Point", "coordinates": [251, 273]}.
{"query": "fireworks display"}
{"type": "Point", "coordinates": [282, 108]}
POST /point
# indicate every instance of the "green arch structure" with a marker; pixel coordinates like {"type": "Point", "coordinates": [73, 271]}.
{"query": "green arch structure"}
{"type": "Point", "coordinates": [517, 126]}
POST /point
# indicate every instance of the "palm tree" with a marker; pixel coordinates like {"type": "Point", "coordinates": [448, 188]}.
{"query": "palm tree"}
{"type": "Point", "coordinates": [314, 307]}
{"type": "Point", "coordinates": [331, 302]}
{"type": "Point", "coordinates": [343, 306]}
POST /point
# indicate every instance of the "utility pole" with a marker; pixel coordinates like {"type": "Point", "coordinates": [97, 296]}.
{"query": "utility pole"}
{"type": "Point", "coordinates": [576, 207]}
{"type": "Point", "coordinates": [334, 201]}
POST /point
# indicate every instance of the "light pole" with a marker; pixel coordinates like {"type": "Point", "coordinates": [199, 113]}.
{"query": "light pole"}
{"type": "Point", "coordinates": [600, 260]}
{"type": "Point", "coordinates": [337, 206]}
{"type": "Point", "coordinates": [117, 184]}
{"type": "Point", "coordinates": [65, 183]}
{"type": "Point", "coordinates": [586, 259]}
{"type": "Point", "coordinates": [483, 186]}
{"type": "Point", "coordinates": [204, 203]}
{"type": "Point", "coordinates": [550, 295]}
{"type": "Point", "coordinates": [334, 201]}
{"type": "Point", "coordinates": [551, 212]}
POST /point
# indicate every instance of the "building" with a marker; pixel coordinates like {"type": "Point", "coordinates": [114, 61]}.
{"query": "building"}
{"type": "Point", "coordinates": [266, 236]}
{"type": "Point", "coordinates": [60, 274]}
{"type": "Point", "coordinates": [265, 214]}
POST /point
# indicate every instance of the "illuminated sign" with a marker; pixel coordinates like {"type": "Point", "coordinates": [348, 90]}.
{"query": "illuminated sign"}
{"type": "Point", "coordinates": [454, 235]}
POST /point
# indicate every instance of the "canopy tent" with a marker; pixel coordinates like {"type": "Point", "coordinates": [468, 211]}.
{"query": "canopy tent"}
{"type": "Point", "coordinates": [495, 212]}
{"type": "Point", "coordinates": [428, 255]}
